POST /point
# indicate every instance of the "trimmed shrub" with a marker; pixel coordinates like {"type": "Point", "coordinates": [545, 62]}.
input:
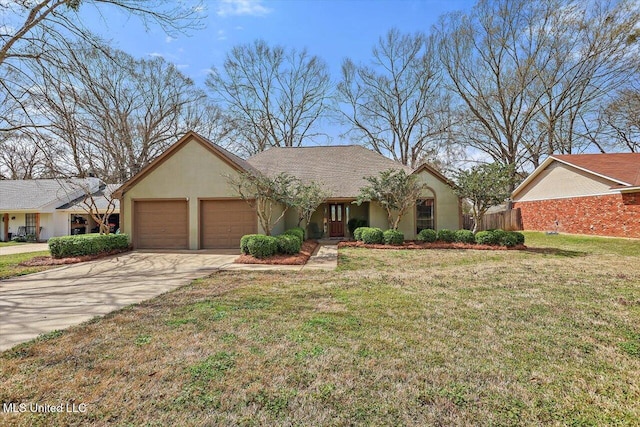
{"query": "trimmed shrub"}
{"type": "Point", "coordinates": [87, 244]}
{"type": "Point", "coordinates": [296, 231]}
{"type": "Point", "coordinates": [447, 236]}
{"type": "Point", "coordinates": [261, 246]}
{"type": "Point", "coordinates": [355, 223]}
{"type": "Point", "coordinates": [509, 240]}
{"type": "Point", "coordinates": [244, 242]}
{"type": "Point", "coordinates": [500, 237]}
{"type": "Point", "coordinates": [393, 237]}
{"type": "Point", "coordinates": [288, 244]}
{"type": "Point", "coordinates": [357, 233]}
{"type": "Point", "coordinates": [519, 237]}
{"type": "Point", "coordinates": [465, 236]}
{"type": "Point", "coordinates": [485, 238]}
{"type": "Point", "coordinates": [427, 235]}
{"type": "Point", "coordinates": [372, 235]}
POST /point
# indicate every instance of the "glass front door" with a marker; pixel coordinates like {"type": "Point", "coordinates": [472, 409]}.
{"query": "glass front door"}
{"type": "Point", "coordinates": [336, 220]}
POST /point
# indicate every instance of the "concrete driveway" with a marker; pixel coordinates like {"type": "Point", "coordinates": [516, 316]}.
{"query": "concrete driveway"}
{"type": "Point", "coordinates": [66, 296]}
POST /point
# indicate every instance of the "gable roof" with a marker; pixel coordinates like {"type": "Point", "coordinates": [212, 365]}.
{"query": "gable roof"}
{"type": "Point", "coordinates": [622, 169]}
{"type": "Point", "coordinates": [227, 156]}
{"type": "Point", "coordinates": [339, 168]}
{"type": "Point", "coordinates": [42, 194]}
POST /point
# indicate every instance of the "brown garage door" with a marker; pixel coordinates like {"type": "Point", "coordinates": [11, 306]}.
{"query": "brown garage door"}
{"type": "Point", "coordinates": [224, 222]}
{"type": "Point", "coordinates": [161, 224]}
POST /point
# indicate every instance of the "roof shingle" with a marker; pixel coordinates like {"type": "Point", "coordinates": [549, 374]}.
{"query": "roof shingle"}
{"type": "Point", "coordinates": [36, 194]}
{"type": "Point", "coordinates": [340, 168]}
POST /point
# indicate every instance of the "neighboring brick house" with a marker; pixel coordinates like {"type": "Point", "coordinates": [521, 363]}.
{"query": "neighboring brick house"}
{"type": "Point", "coordinates": [597, 194]}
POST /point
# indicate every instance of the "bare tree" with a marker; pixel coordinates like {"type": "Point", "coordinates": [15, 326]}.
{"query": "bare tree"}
{"type": "Point", "coordinates": [274, 96]}
{"type": "Point", "coordinates": [592, 53]}
{"type": "Point", "coordinates": [491, 57]}
{"type": "Point", "coordinates": [31, 29]}
{"type": "Point", "coordinates": [619, 122]}
{"type": "Point", "coordinates": [111, 114]}
{"type": "Point", "coordinates": [397, 105]}
{"type": "Point", "coordinates": [116, 113]}
{"type": "Point", "coordinates": [21, 158]}
{"type": "Point", "coordinates": [529, 74]}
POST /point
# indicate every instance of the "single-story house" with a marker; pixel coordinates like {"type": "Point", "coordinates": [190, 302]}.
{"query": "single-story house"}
{"type": "Point", "coordinates": [182, 200]}
{"type": "Point", "coordinates": [597, 194]}
{"type": "Point", "coordinates": [45, 208]}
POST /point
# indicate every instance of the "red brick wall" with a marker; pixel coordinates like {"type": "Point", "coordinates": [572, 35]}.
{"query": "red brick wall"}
{"type": "Point", "coordinates": [611, 215]}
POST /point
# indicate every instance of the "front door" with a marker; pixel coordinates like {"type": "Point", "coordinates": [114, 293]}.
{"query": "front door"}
{"type": "Point", "coordinates": [336, 223]}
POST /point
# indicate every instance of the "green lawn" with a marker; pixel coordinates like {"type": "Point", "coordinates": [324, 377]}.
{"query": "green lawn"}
{"type": "Point", "coordinates": [9, 264]}
{"type": "Point", "coordinates": [547, 336]}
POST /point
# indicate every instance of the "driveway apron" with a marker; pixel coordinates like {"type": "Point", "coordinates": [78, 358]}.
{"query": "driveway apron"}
{"type": "Point", "coordinates": [66, 296]}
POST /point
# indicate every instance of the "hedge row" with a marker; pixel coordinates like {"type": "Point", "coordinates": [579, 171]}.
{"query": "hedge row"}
{"type": "Point", "coordinates": [489, 237]}
{"type": "Point", "coordinates": [87, 244]}
{"type": "Point", "coordinates": [261, 246]}
{"type": "Point", "coordinates": [374, 235]}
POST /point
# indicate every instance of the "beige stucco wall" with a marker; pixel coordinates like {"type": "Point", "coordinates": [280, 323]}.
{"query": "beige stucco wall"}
{"type": "Point", "coordinates": [447, 203]}
{"type": "Point", "coordinates": [447, 208]}
{"type": "Point", "coordinates": [561, 181]}
{"type": "Point", "coordinates": [191, 172]}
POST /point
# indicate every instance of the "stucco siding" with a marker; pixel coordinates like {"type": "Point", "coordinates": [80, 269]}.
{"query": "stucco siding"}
{"type": "Point", "coordinates": [559, 180]}
{"type": "Point", "coordinates": [15, 223]}
{"type": "Point", "coordinates": [192, 172]}
{"type": "Point", "coordinates": [447, 204]}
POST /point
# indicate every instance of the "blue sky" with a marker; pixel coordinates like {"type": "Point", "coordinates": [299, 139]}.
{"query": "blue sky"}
{"type": "Point", "coordinates": [331, 29]}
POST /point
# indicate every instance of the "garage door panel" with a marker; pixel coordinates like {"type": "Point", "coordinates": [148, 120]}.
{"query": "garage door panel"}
{"type": "Point", "coordinates": [161, 224]}
{"type": "Point", "coordinates": [224, 222]}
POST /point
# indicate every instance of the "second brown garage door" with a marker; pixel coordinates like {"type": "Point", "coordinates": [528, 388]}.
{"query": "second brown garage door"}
{"type": "Point", "coordinates": [160, 224]}
{"type": "Point", "coordinates": [224, 222]}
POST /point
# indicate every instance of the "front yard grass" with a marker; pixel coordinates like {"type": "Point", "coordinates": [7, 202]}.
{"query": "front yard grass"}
{"type": "Point", "coordinates": [435, 337]}
{"type": "Point", "coordinates": [10, 243]}
{"type": "Point", "coordinates": [9, 264]}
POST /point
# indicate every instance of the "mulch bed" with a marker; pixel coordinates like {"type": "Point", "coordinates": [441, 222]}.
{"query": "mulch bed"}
{"type": "Point", "coordinates": [308, 246]}
{"type": "Point", "coordinates": [412, 244]}
{"type": "Point", "coordinates": [49, 260]}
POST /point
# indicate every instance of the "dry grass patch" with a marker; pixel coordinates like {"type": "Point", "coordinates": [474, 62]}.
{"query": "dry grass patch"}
{"type": "Point", "coordinates": [11, 265]}
{"type": "Point", "coordinates": [440, 337]}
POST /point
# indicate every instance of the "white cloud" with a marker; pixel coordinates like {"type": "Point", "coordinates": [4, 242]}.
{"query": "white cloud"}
{"type": "Point", "coordinates": [156, 55]}
{"type": "Point", "coordinates": [221, 35]}
{"type": "Point", "coordinates": [242, 7]}
{"type": "Point", "coordinates": [169, 39]}
{"type": "Point", "coordinates": [182, 66]}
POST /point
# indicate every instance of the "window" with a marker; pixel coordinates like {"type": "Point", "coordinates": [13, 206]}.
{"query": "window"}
{"type": "Point", "coordinates": [424, 214]}
{"type": "Point", "coordinates": [30, 223]}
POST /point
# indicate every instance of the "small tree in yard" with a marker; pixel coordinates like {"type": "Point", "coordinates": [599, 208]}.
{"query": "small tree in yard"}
{"type": "Point", "coordinates": [395, 190]}
{"type": "Point", "coordinates": [264, 193]}
{"type": "Point", "coordinates": [484, 186]}
{"type": "Point", "coordinates": [306, 200]}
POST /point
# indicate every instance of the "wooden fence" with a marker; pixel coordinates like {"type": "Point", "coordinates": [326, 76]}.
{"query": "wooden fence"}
{"type": "Point", "coordinates": [510, 220]}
